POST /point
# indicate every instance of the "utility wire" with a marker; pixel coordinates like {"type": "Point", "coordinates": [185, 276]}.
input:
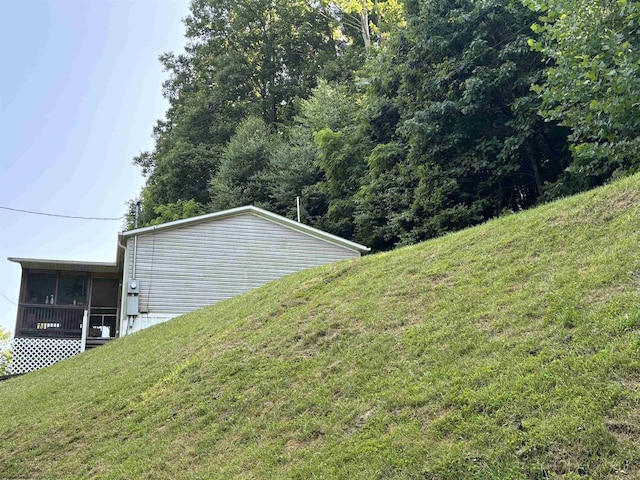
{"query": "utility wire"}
{"type": "Point", "coordinates": [8, 299]}
{"type": "Point", "coordinates": [61, 216]}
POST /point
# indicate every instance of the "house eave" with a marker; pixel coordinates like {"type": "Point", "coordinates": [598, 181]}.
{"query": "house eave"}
{"type": "Point", "coordinates": [66, 265]}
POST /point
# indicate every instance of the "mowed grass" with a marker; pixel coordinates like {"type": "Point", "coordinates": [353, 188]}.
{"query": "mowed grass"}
{"type": "Point", "coordinates": [510, 350]}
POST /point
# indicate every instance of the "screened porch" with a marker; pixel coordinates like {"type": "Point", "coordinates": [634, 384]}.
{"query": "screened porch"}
{"type": "Point", "coordinates": [54, 302]}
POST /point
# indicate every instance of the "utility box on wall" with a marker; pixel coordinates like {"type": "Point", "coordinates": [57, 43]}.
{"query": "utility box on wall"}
{"type": "Point", "coordinates": [133, 290]}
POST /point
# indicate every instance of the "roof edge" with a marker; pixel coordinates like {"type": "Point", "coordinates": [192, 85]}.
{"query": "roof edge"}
{"type": "Point", "coordinates": [314, 232]}
{"type": "Point", "coordinates": [66, 265]}
{"type": "Point", "coordinates": [279, 219]}
{"type": "Point", "coordinates": [55, 262]}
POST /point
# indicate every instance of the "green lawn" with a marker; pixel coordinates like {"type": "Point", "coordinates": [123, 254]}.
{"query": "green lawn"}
{"type": "Point", "coordinates": [509, 350]}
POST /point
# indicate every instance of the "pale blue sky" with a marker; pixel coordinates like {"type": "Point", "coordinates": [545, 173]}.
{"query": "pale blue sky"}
{"type": "Point", "coordinates": [79, 95]}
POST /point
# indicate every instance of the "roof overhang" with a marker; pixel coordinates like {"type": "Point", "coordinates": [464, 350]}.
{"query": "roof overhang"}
{"type": "Point", "coordinates": [250, 209]}
{"type": "Point", "coordinates": [67, 265]}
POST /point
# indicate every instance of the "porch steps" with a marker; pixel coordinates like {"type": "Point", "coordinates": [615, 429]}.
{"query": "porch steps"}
{"type": "Point", "coordinates": [96, 342]}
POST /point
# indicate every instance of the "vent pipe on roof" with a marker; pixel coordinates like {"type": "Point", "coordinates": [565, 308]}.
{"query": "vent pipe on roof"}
{"type": "Point", "coordinates": [298, 207]}
{"type": "Point", "coordinates": [135, 221]}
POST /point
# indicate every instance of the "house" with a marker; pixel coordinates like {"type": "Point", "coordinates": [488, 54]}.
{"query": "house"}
{"type": "Point", "coordinates": [160, 272]}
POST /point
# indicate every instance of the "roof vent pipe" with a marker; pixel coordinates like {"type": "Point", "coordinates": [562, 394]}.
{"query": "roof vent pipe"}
{"type": "Point", "coordinates": [135, 221]}
{"type": "Point", "coordinates": [298, 207]}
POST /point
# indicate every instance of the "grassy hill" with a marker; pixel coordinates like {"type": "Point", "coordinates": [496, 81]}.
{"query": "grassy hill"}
{"type": "Point", "coordinates": [510, 350]}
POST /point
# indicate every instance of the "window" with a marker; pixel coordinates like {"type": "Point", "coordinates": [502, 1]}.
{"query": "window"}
{"type": "Point", "coordinates": [104, 292]}
{"type": "Point", "coordinates": [72, 290]}
{"type": "Point", "coordinates": [56, 289]}
{"type": "Point", "coordinates": [41, 288]}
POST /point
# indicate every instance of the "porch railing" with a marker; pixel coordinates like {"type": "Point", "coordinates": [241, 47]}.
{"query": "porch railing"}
{"type": "Point", "coordinates": [49, 321]}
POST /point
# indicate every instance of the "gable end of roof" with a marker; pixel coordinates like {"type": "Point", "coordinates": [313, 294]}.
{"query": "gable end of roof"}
{"type": "Point", "coordinates": [259, 212]}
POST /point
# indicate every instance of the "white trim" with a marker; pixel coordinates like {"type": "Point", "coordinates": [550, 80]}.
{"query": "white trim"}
{"type": "Point", "coordinates": [124, 278]}
{"type": "Point", "coordinates": [83, 333]}
{"type": "Point", "coordinates": [146, 320]}
{"type": "Point", "coordinates": [314, 232]}
{"type": "Point", "coordinates": [41, 263]}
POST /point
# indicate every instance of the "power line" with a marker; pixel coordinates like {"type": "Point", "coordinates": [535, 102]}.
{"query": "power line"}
{"type": "Point", "coordinates": [61, 216]}
{"type": "Point", "coordinates": [8, 299]}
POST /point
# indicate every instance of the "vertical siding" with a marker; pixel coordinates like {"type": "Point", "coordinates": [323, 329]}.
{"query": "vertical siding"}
{"type": "Point", "coordinates": [186, 268]}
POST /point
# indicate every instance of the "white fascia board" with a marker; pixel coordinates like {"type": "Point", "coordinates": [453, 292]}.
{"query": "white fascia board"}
{"type": "Point", "coordinates": [41, 263]}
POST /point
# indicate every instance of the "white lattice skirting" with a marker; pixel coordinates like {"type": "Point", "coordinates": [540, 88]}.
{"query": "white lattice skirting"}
{"type": "Point", "coordinates": [34, 353]}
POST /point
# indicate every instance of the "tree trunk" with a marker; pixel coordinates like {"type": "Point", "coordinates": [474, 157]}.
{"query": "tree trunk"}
{"type": "Point", "coordinates": [364, 24]}
{"type": "Point", "coordinates": [535, 170]}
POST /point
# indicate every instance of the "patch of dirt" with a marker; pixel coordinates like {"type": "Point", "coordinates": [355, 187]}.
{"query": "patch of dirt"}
{"type": "Point", "coordinates": [563, 461]}
{"type": "Point", "coordinates": [330, 370]}
{"type": "Point", "coordinates": [604, 293]}
{"type": "Point", "coordinates": [623, 429]}
{"type": "Point", "coordinates": [624, 200]}
{"type": "Point", "coordinates": [361, 421]}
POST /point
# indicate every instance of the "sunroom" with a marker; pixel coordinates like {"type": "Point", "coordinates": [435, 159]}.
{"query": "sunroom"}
{"type": "Point", "coordinates": [63, 308]}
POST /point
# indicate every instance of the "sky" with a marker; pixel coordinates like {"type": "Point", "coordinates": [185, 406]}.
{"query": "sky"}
{"type": "Point", "coordinates": [80, 93]}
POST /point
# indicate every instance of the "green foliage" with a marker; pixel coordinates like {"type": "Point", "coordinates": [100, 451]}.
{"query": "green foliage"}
{"type": "Point", "coordinates": [332, 115]}
{"type": "Point", "coordinates": [243, 59]}
{"type": "Point", "coordinates": [177, 211]}
{"type": "Point", "coordinates": [592, 84]}
{"type": "Point", "coordinates": [374, 19]}
{"type": "Point", "coordinates": [5, 351]}
{"type": "Point", "coordinates": [385, 197]}
{"type": "Point", "coordinates": [242, 176]}
{"type": "Point", "coordinates": [434, 127]}
{"type": "Point", "coordinates": [262, 52]}
{"type": "Point", "coordinates": [500, 352]}
{"type": "Point", "coordinates": [181, 175]}
{"type": "Point", "coordinates": [330, 106]}
{"type": "Point", "coordinates": [294, 172]}
{"type": "Point", "coordinates": [460, 78]}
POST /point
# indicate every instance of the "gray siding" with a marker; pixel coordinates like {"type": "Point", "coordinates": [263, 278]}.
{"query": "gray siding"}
{"type": "Point", "coordinates": [186, 268]}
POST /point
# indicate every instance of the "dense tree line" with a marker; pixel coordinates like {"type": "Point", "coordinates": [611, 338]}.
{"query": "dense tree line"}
{"type": "Point", "coordinates": [393, 121]}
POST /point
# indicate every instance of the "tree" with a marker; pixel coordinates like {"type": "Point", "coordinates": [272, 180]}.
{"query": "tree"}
{"type": "Point", "coordinates": [262, 52]}
{"type": "Point", "coordinates": [460, 78]}
{"type": "Point", "coordinates": [331, 115]}
{"type": "Point", "coordinates": [177, 211]}
{"type": "Point", "coordinates": [592, 84]}
{"type": "Point", "coordinates": [383, 203]}
{"type": "Point", "coordinates": [252, 58]}
{"type": "Point", "coordinates": [373, 18]}
{"type": "Point", "coordinates": [243, 176]}
{"type": "Point", "coordinates": [295, 172]}
{"type": "Point", "coordinates": [435, 128]}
